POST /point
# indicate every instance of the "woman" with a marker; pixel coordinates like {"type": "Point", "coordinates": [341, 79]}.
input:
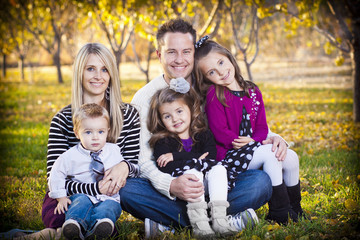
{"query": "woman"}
{"type": "Point", "coordinates": [95, 80]}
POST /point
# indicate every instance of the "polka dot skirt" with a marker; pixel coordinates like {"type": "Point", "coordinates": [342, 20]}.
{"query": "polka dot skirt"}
{"type": "Point", "coordinates": [237, 160]}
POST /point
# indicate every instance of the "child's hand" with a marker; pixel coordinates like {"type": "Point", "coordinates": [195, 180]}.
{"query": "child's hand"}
{"type": "Point", "coordinates": [62, 205]}
{"type": "Point", "coordinates": [241, 141]}
{"type": "Point", "coordinates": [203, 156]}
{"type": "Point", "coordinates": [164, 159]}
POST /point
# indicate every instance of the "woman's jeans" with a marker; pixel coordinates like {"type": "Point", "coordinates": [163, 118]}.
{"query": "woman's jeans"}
{"type": "Point", "coordinates": [86, 213]}
{"type": "Point", "coordinates": [140, 199]}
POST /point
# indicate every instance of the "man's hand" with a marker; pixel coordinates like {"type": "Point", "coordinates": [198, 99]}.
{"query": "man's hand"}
{"type": "Point", "coordinates": [279, 144]}
{"type": "Point", "coordinates": [62, 205]}
{"type": "Point", "coordinates": [187, 187]}
{"type": "Point", "coordinates": [241, 141]}
{"type": "Point", "coordinates": [164, 159]}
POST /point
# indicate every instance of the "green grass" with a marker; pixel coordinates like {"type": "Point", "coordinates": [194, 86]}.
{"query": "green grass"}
{"type": "Point", "coordinates": [316, 121]}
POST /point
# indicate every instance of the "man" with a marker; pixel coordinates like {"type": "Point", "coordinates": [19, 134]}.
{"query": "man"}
{"type": "Point", "coordinates": [164, 199]}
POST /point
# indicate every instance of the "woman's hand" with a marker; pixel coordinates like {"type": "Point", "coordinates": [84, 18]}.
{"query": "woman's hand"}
{"type": "Point", "coordinates": [241, 141]}
{"type": "Point", "coordinates": [115, 177]}
{"type": "Point", "coordinates": [62, 205]}
{"type": "Point", "coordinates": [164, 159]}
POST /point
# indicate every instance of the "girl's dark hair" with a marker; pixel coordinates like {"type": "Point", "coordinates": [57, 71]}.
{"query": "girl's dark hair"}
{"type": "Point", "coordinates": [203, 84]}
{"type": "Point", "coordinates": [167, 95]}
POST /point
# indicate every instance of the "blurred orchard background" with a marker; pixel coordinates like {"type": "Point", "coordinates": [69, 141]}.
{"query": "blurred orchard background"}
{"type": "Point", "coordinates": [304, 55]}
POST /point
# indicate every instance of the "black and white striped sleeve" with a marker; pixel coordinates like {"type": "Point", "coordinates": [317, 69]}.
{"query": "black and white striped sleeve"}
{"type": "Point", "coordinates": [59, 137]}
{"type": "Point", "coordinates": [129, 139]}
{"type": "Point", "coordinates": [73, 187]}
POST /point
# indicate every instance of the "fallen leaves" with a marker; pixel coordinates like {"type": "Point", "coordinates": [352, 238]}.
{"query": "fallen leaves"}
{"type": "Point", "coordinates": [351, 205]}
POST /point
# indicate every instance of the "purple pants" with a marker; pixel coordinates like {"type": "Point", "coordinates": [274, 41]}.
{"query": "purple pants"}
{"type": "Point", "coordinates": [50, 219]}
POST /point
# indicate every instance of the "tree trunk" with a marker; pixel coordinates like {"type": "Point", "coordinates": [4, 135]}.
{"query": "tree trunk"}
{"type": "Point", "coordinates": [355, 57]}
{"type": "Point", "coordinates": [57, 63]}
{"type": "Point", "coordinates": [22, 68]}
{"type": "Point", "coordinates": [118, 61]}
{"type": "Point", "coordinates": [31, 78]}
{"type": "Point", "coordinates": [56, 58]}
{"type": "Point", "coordinates": [3, 72]}
{"type": "Point", "coordinates": [248, 67]}
{"type": "Point", "coordinates": [150, 50]}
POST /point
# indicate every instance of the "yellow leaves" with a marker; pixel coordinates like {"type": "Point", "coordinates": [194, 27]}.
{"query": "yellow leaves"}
{"type": "Point", "coordinates": [332, 222]}
{"type": "Point", "coordinates": [263, 12]}
{"type": "Point", "coordinates": [190, 7]}
{"type": "Point", "coordinates": [310, 120]}
{"type": "Point", "coordinates": [272, 227]}
{"type": "Point", "coordinates": [328, 48]}
{"type": "Point", "coordinates": [308, 22]}
{"type": "Point", "coordinates": [289, 237]}
{"type": "Point", "coordinates": [254, 237]}
{"type": "Point", "coordinates": [245, 39]}
{"type": "Point", "coordinates": [339, 60]}
{"type": "Point", "coordinates": [281, 7]}
{"type": "Point", "coordinates": [310, 151]}
{"type": "Point", "coordinates": [336, 184]}
{"type": "Point", "coordinates": [305, 193]}
{"type": "Point", "coordinates": [306, 237]}
{"type": "Point", "coordinates": [351, 205]}
{"type": "Point", "coordinates": [133, 236]}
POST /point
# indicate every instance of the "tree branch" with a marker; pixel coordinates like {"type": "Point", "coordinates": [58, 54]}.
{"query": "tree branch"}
{"type": "Point", "coordinates": [330, 37]}
{"type": "Point", "coordinates": [339, 18]}
{"type": "Point", "coordinates": [211, 17]}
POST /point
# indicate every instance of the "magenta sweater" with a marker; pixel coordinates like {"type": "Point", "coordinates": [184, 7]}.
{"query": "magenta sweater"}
{"type": "Point", "coordinates": [224, 122]}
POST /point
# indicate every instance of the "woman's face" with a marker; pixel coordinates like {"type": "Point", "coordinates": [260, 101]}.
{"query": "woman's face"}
{"type": "Point", "coordinates": [96, 78]}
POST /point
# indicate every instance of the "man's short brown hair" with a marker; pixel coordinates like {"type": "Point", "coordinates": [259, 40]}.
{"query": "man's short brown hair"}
{"type": "Point", "coordinates": [174, 25]}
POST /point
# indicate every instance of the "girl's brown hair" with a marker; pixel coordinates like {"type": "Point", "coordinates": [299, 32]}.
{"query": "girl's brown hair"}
{"type": "Point", "coordinates": [167, 95]}
{"type": "Point", "coordinates": [202, 83]}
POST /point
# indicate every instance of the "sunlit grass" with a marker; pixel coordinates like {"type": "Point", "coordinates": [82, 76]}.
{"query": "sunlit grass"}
{"type": "Point", "coordinates": [317, 122]}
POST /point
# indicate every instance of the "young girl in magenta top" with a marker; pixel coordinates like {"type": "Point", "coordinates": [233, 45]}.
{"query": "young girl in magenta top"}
{"type": "Point", "coordinates": [183, 145]}
{"type": "Point", "coordinates": [236, 116]}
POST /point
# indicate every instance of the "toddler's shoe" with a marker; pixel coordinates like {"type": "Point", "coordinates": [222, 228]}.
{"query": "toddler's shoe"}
{"type": "Point", "coordinates": [71, 230]}
{"type": "Point", "coordinates": [101, 230]}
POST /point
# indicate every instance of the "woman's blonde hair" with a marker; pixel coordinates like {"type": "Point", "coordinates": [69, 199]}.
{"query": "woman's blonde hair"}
{"type": "Point", "coordinates": [167, 95]}
{"type": "Point", "coordinates": [114, 103]}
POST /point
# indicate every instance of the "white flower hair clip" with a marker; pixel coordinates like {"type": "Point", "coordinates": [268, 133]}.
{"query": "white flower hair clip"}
{"type": "Point", "coordinates": [179, 85]}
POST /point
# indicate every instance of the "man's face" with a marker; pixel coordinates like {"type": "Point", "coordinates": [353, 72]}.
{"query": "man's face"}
{"type": "Point", "coordinates": [176, 55]}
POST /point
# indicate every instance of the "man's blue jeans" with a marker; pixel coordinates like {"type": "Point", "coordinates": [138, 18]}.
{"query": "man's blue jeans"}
{"type": "Point", "coordinates": [87, 213]}
{"type": "Point", "coordinates": [139, 198]}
